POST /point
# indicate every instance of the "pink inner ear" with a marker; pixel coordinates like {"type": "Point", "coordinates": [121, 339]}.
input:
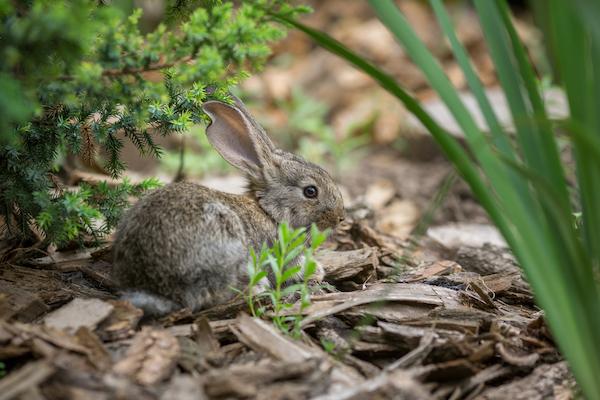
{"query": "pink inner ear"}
{"type": "Point", "coordinates": [230, 134]}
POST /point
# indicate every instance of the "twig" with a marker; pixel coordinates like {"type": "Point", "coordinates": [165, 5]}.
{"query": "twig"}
{"type": "Point", "coordinates": [111, 73]}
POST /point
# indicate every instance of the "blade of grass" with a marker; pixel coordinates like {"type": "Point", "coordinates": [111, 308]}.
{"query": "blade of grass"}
{"type": "Point", "coordinates": [475, 85]}
{"type": "Point", "coordinates": [537, 143]}
{"type": "Point", "coordinates": [570, 265]}
{"type": "Point", "coordinates": [549, 154]}
{"type": "Point", "coordinates": [500, 138]}
{"type": "Point", "coordinates": [527, 234]}
{"type": "Point", "coordinates": [536, 248]}
{"type": "Point", "coordinates": [573, 40]}
{"type": "Point", "coordinates": [448, 144]}
{"type": "Point", "coordinates": [525, 228]}
{"type": "Point", "coordinates": [549, 148]}
{"type": "Point", "coordinates": [397, 24]}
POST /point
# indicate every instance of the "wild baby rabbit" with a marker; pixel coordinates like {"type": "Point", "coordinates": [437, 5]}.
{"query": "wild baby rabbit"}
{"type": "Point", "coordinates": [185, 245]}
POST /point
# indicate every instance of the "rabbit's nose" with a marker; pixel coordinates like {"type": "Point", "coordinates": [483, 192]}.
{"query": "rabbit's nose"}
{"type": "Point", "coordinates": [341, 218]}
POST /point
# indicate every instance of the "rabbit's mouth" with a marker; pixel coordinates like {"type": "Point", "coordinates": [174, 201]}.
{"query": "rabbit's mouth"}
{"type": "Point", "coordinates": [331, 219]}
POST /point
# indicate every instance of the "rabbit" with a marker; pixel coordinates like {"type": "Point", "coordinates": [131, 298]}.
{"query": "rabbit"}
{"type": "Point", "coordinates": [184, 245]}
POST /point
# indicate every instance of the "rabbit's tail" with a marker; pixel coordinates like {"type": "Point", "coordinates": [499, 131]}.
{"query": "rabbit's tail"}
{"type": "Point", "coordinates": [152, 304]}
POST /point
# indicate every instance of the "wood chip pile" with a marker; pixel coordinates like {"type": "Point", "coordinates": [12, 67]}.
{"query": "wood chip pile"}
{"type": "Point", "coordinates": [446, 315]}
{"type": "Point", "coordinates": [398, 319]}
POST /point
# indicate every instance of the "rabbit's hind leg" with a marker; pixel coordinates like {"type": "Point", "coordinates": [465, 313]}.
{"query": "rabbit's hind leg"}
{"type": "Point", "coordinates": [218, 284]}
{"type": "Point", "coordinates": [217, 263]}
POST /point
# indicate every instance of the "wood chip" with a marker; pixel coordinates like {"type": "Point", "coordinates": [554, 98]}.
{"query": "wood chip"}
{"type": "Point", "coordinates": [427, 271]}
{"type": "Point", "coordinates": [264, 337]}
{"type": "Point", "coordinates": [417, 355]}
{"type": "Point", "coordinates": [478, 380]}
{"type": "Point", "coordinates": [22, 305]}
{"type": "Point", "coordinates": [391, 312]}
{"type": "Point", "coordinates": [388, 385]}
{"type": "Point", "coordinates": [379, 193]}
{"type": "Point", "coordinates": [184, 387]}
{"type": "Point", "coordinates": [121, 322]}
{"type": "Point", "coordinates": [344, 265]}
{"type": "Point", "coordinates": [97, 353]}
{"type": "Point", "coordinates": [544, 383]}
{"type": "Point", "coordinates": [449, 371]}
{"type": "Point", "coordinates": [79, 313]}
{"type": "Point", "coordinates": [34, 336]}
{"type": "Point", "coordinates": [518, 360]}
{"type": "Point", "coordinates": [455, 235]}
{"type": "Point", "coordinates": [64, 260]}
{"type": "Point", "coordinates": [150, 358]}
{"type": "Point", "coordinates": [25, 378]}
{"type": "Point", "coordinates": [398, 219]}
{"type": "Point", "coordinates": [245, 380]}
{"type": "Point", "coordinates": [404, 336]}
{"type": "Point", "coordinates": [333, 303]}
{"type": "Point", "coordinates": [486, 260]}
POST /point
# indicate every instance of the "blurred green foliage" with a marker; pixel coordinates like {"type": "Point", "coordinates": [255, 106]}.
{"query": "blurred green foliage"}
{"type": "Point", "coordinates": [199, 156]}
{"type": "Point", "coordinates": [309, 134]}
{"type": "Point", "coordinates": [306, 133]}
{"type": "Point", "coordinates": [79, 77]}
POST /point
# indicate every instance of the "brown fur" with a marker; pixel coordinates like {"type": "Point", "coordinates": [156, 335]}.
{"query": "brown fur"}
{"type": "Point", "coordinates": [187, 245]}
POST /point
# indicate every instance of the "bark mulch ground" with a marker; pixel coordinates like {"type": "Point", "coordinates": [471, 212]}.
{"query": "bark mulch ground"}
{"type": "Point", "coordinates": [398, 319]}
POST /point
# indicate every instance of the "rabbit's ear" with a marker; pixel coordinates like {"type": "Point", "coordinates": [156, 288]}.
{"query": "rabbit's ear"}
{"type": "Point", "coordinates": [238, 137]}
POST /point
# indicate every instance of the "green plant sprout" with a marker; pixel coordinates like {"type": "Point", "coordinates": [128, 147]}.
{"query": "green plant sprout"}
{"type": "Point", "coordinates": [290, 265]}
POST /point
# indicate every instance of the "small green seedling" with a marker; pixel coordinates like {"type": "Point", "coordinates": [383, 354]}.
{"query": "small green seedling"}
{"type": "Point", "coordinates": [289, 265]}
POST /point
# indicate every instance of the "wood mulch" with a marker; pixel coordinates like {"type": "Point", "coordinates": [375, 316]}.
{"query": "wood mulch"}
{"type": "Point", "coordinates": [399, 319]}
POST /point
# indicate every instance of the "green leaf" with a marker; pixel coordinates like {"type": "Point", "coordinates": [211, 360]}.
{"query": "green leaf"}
{"type": "Point", "coordinates": [290, 272]}
{"type": "Point", "coordinates": [257, 277]}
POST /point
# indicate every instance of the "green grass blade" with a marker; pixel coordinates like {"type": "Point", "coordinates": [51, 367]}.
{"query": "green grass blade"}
{"type": "Point", "coordinates": [517, 237]}
{"type": "Point", "coordinates": [511, 82]}
{"type": "Point", "coordinates": [569, 264]}
{"type": "Point", "coordinates": [573, 40]}
{"type": "Point", "coordinates": [449, 145]}
{"type": "Point", "coordinates": [493, 168]}
{"type": "Point", "coordinates": [536, 241]}
{"type": "Point", "coordinates": [548, 147]}
{"type": "Point", "coordinates": [397, 24]}
{"type": "Point", "coordinates": [500, 138]}
{"type": "Point", "coordinates": [528, 235]}
{"type": "Point", "coordinates": [548, 151]}
{"type": "Point", "coordinates": [533, 127]}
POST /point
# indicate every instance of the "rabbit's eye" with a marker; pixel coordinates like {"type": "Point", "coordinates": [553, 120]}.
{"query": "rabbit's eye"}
{"type": "Point", "coordinates": [311, 192]}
